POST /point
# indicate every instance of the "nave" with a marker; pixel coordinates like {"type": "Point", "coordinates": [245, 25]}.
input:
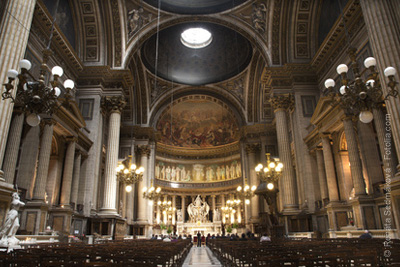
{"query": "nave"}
{"type": "Point", "coordinates": [218, 252]}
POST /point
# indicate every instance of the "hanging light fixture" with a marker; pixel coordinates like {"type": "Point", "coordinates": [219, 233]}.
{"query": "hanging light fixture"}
{"type": "Point", "coordinates": [35, 96]}
{"type": "Point", "coordinates": [152, 193]}
{"type": "Point", "coordinates": [246, 192]}
{"type": "Point", "coordinates": [128, 173]}
{"type": "Point", "coordinates": [356, 96]}
{"type": "Point", "coordinates": [270, 173]}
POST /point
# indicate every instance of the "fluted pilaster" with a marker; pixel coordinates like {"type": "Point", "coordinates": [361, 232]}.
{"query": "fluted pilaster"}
{"type": "Point", "coordinates": [183, 208]}
{"type": "Point", "coordinates": [330, 169]}
{"type": "Point", "coordinates": [321, 174]}
{"type": "Point", "coordinates": [383, 36]}
{"type": "Point", "coordinates": [76, 177]}
{"type": "Point", "coordinates": [354, 157]}
{"type": "Point", "coordinates": [388, 156]}
{"type": "Point", "coordinates": [68, 172]}
{"type": "Point", "coordinates": [144, 151]}
{"type": "Point", "coordinates": [14, 33]}
{"type": "Point", "coordinates": [113, 106]}
{"type": "Point", "coordinates": [280, 104]}
{"type": "Point", "coordinates": [13, 143]}
{"type": "Point", "coordinates": [44, 161]}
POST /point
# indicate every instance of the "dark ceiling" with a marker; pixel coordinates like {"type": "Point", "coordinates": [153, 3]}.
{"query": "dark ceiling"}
{"type": "Point", "coordinates": [228, 54]}
{"type": "Point", "coordinates": [192, 7]}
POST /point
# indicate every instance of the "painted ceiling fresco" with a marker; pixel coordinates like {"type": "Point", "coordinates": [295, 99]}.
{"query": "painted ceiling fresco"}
{"type": "Point", "coordinates": [197, 124]}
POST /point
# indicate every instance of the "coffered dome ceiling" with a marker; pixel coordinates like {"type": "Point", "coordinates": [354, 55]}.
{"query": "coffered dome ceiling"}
{"type": "Point", "coordinates": [195, 6]}
{"type": "Point", "coordinates": [228, 54]}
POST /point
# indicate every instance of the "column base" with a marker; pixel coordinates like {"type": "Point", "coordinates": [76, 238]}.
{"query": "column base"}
{"type": "Point", "coordinates": [108, 212]}
{"type": "Point", "coordinates": [34, 217]}
{"type": "Point", "coordinates": [60, 219]}
{"type": "Point", "coordinates": [292, 209]}
{"type": "Point", "coordinates": [2, 176]}
{"type": "Point", "coordinates": [360, 204]}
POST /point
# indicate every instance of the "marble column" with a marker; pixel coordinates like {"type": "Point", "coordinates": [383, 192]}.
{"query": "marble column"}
{"type": "Point", "coordinates": [82, 180]}
{"type": "Point", "coordinates": [113, 106]}
{"type": "Point", "coordinates": [213, 206]}
{"type": "Point", "coordinates": [76, 178]}
{"type": "Point", "coordinates": [144, 151]}
{"type": "Point", "coordinates": [321, 174]}
{"type": "Point", "coordinates": [370, 156]}
{"type": "Point", "coordinates": [330, 169]}
{"type": "Point", "coordinates": [183, 208]}
{"type": "Point", "coordinates": [173, 209]}
{"type": "Point", "coordinates": [129, 206]}
{"type": "Point", "coordinates": [44, 161]}
{"type": "Point", "coordinates": [380, 19]}
{"type": "Point", "coordinates": [388, 156]}
{"type": "Point", "coordinates": [14, 33]}
{"type": "Point", "coordinates": [28, 160]}
{"type": "Point", "coordinates": [251, 150]}
{"type": "Point", "coordinates": [68, 173]}
{"type": "Point", "coordinates": [280, 104]}
{"type": "Point", "coordinates": [13, 143]}
{"type": "Point", "coordinates": [354, 157]}
{"type": "Point", "coordinates": [158, 214]}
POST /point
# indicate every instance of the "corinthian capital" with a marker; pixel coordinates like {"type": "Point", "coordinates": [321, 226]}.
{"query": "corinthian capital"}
{"type": "Point", "coordinates": [252, 148]}
{"type": "Point", "coordinates": [144, 150]}
{"type": "Point", "coordinates": [111, 104]}
{"type": "Point", "coordinates": [282, 101]}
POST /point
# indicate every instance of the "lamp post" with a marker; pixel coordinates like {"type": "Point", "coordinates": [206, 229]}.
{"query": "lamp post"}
{"type": "Point", "coordinates": [359, 96]}
{"type": "Point", "coordinates": [128, 173]}
{"type": "Point", "coordinates": [35, 96]}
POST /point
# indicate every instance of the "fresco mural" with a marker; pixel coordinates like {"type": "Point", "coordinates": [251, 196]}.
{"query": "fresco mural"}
{"type": "Point", "coordinates": [197, 124]}
{"type": "Point", "coordinates": [199, 173]}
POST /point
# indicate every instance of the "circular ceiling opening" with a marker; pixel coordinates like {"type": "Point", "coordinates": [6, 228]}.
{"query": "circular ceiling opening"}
{"type": "Point", "coordinates": [227, 55]}
{"type": "Point", "coordinates": [196, 38]}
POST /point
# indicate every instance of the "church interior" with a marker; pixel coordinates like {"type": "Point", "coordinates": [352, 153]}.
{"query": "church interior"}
{"type": "Point", "coordinates": [129, 119]}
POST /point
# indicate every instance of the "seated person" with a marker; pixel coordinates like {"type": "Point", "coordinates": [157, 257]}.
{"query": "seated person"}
{"type": "Point", "coordinates": [265, 238]}
{"type": "Point", "coordinates": [366, 235]}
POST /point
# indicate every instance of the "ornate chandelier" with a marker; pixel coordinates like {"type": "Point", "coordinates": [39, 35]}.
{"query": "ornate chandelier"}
{"type": "Point", "coordinates": [34, 96]}
{"type": "Point", "coordinates": [152, 193]}
{"type": "Point", "coordinates": [247, 193]}
{"type": "Point", "coordinates": [129, 174]}
{"type": "Point", "coordinates": [271, 173]}
{"type": "Point", "coordinates": [358, 97]}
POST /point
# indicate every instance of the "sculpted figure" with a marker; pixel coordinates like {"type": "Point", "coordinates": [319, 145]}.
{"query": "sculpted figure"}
{"type": "Point", "coordinates": [11, 224]}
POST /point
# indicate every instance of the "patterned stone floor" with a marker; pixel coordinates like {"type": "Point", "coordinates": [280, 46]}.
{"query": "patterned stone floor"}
{"type": "Point", "coordinates": [201, 256]}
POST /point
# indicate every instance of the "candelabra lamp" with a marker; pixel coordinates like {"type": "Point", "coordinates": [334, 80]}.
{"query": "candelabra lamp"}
{"type": "Point", "coordinates": [359, 96]}
{"type": "Point", "coordinates": [35, 96]}
{"type": "Point", "coordinates": [271, 173]}
{"type": "Point", "coordinates": [247, 193]}
{"type": "Point", "coordinates": [152, 193]}
{"type": "Point", "coordinates": [129, 174]}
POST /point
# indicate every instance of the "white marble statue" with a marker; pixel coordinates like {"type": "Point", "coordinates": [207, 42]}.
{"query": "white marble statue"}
{"type": "Point", "coordinates": [217, 215]}
{"type": "Point", "coordinates": [198, 210]}
{"type": "Point", "coordinates": [11, 223]}
{"type": "Point", "coordinates": [179, 215]}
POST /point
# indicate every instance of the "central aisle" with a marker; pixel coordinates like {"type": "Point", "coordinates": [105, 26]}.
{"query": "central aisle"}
{"type": "Point", "coordinates": [201, 256]}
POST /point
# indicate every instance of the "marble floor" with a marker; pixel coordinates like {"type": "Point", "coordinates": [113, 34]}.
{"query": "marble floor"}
{"type": "Point", "coordinates": [201, 256]}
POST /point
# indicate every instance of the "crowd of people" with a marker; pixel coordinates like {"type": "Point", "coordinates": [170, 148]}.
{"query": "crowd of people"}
{"type": "Point", "coordinates": [199, 238]}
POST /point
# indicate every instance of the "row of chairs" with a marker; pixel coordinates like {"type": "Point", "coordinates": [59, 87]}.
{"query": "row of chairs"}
{"type": "Point", "coordinates": [114, 253]}
{"type": "Point", "coordinates": [307, 252]}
